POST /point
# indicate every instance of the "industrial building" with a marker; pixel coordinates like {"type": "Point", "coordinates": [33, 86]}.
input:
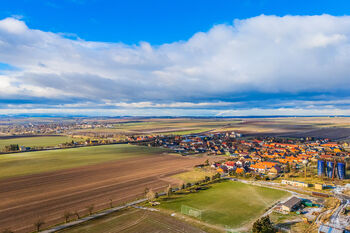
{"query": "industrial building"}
{"type": "Point", "coordinates": [292, 204]}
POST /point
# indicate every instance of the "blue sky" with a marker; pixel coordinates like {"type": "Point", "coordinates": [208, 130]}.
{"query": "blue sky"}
{"type": "Point", "coordinates": [160, 57]}
{"type": "Point", "coordinates": [154, 21]}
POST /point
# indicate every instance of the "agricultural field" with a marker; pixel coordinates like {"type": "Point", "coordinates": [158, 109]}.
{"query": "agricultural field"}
{"type": "Point", "coordinates": [178, 126]}
{"type": "Point", "coordinates": [53, 160]}
{"type": "Point", "coordinates": [228, 204]}
{"type": "Point", "coordinates": [135, 220]}
{"type": "Point", "coordinates": [319, 127]}
{"type": "Point", "coordinates": [40, 141]}
{"type": "Point", "coordinates": [45, 184]}
{"type": "Point", "coordinates": [327, 127]}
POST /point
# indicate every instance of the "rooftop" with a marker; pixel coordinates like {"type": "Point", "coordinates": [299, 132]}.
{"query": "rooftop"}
{"type": "Point", "coordinates": [292, 202]}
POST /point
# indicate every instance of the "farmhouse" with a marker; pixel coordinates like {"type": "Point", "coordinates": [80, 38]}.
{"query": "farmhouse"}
{"type": "Point", "coordinates": [262, 167]}
{"type": "Point", "coordinates": [292, 204]}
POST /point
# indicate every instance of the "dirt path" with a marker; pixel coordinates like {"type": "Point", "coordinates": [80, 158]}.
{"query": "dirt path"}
{"type": "Point", "coordinates": [49, 195]}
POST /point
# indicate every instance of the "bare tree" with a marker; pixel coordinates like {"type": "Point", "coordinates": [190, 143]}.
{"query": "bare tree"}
{"type": "Point", "coordinates": [76, 213]}
{"type": "Point", "coordinates": [90, 209]}
{"type": "Point", "coordinates": [67, 215]}
{"type": "Point", "coordinates": [169, 190]}
{"type": "Point", "coordinates": [150, 195]}
{"type": "Point", "coordinates": [38, 224]}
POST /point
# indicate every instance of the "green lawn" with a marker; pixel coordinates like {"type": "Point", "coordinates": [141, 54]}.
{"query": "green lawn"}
{"type": "Point", "coordinates": [228, 204]}
{"type": "Point", "coordinates": [42, 141]}
{"type": "Point", "coordinates": [185, 132]}
{"type": "Point", "coordinates": [43, 161]}
{"type": "Point", "coordinates": [194, 175]}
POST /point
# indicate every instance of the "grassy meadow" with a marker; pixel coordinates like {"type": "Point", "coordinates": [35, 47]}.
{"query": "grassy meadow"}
{"type": "Point", "coordinates": [194, 175]}
{"type": "Point", "coordinates": [41, 141]}
{"type": "Point", "coordinates": [44, 161]}
{"type": "Point", "coordinates": [228, 204]}
{"type": "Point", "coordinates": [179, 126]}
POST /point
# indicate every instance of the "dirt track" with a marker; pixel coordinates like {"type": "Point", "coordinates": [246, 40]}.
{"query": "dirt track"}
{"type": "Point", "coordinates": [49, 195]}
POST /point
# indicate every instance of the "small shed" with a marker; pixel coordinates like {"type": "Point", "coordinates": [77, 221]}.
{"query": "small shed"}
{"type": "Point", "coordinates": [319, 186]}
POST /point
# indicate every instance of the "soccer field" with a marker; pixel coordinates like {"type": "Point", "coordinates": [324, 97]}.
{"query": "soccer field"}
{"type": "Point", "coordinates": [135, 220]}
{"type": "Point", "coordinates": [228, 204]}
{"type": "Point", "coordinates": [52, 160]}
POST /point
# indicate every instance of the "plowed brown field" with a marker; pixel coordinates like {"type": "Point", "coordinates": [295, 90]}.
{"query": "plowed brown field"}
{"type": "Point", "coordinates": [23, 200]}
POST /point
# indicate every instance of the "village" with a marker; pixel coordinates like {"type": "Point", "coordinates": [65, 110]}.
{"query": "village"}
{"type": "Point", "coordinates": [312, 169]}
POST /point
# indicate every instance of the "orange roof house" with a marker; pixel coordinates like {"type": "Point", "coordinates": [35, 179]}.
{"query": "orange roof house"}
{"type": "Point", "coordinates": [239, 170]}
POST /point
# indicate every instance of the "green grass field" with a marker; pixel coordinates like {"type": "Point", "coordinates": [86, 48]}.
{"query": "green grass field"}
{"type": "Point", "coordinates": [169, 126]}
{"type": "Point", "coordinates": [228, 204]}
{"type": "Point", "coordinates": [194, 175]}
{"type": "Point", "coordinates": [135, 220]}
{"type": "Point", "coordinates": [42, 141]}
{"type": "Point", "coordinates": [44, 161]}
{"type": "Point", "coordinates": [185, 132]}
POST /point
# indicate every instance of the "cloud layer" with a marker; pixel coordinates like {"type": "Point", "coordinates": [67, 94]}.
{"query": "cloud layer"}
{"type": "Point", "coordinates": [296, 64]}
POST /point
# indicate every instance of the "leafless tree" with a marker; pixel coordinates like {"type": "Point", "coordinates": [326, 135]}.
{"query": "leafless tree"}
{"type": "Point", "coordinates": [150, 195]}
{"type": "Point", "coordinates": [90, 209]}
{"type": "Point", "coordinates": [38, 224]}
{"type": "Point", "coordinates": [76, 213]}
{"type": "Point", "coordinates": [66, 216]}
{"type": "Point", "coordinates": [169, 190]}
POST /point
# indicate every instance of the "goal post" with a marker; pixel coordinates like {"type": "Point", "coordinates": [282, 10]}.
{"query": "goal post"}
{"type": "Point", "coordinates": [193, 212]}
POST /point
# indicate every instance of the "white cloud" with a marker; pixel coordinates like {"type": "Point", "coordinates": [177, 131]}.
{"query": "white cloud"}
{"type": "Point", "coordinates": [251, 61]}
{"type": "Point", "coordinates": [13, 26]}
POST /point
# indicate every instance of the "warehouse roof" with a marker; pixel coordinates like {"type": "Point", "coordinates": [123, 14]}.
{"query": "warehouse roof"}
{"type": "Point", "coordinates": [292, 202]}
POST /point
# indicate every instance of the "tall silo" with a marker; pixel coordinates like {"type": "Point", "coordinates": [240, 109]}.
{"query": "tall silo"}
{"type": "Point", "coordinates": [341, 170]}
{"type": "Point", "coordinates": [330, 169]}
{"type": "Point", "coordinates": [320, 168]}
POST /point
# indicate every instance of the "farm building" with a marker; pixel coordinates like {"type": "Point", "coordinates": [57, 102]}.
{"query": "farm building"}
{"type": "Point", "coordinates": [292, 204]}
{"type": "Point", "coordinates": [295, 183]}
{"type": "Point", "coordinates": [319, 186]}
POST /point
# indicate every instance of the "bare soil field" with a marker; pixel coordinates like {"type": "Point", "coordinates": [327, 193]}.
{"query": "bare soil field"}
{"type": "Point", "coordinates": [47, 196]}
{"type": "Point", "coordinates": [318, 127]}
{"type": "Point", "coordinates": [333, 133]}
